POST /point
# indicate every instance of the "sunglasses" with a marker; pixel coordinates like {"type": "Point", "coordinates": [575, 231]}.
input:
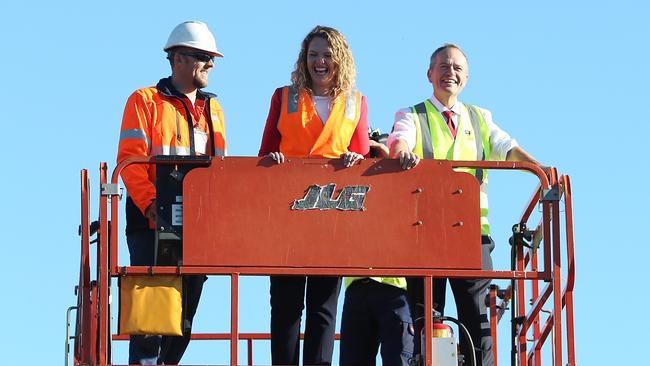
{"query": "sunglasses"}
{"type": "Point", "coordinates": [203, 57]}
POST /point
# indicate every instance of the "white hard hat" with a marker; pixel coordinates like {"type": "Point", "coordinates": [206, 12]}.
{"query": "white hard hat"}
{"type": "Point", "coordinates": [193, 34]}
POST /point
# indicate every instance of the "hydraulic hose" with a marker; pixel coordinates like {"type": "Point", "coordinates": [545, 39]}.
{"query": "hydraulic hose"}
{"type": "Point", "coordinates": [465, 332]}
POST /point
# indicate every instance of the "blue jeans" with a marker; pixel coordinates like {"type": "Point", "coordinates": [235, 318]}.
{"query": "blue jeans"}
{"type": "Point", "coordinates": [375, 314]}
{"type": "Point", "coordinates": [153, 349]}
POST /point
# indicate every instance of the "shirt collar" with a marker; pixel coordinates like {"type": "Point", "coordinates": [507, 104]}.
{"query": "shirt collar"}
{"type": "Point", "coordinates": [456, 108]}
{"type": "Point", "coordinates": [166, 87]}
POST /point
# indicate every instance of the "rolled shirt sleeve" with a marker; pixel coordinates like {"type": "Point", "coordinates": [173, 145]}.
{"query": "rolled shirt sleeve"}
{"type": "Point", "coordinates": [499, 139]}
{"type": "Point", "coordinates": [403, 128]}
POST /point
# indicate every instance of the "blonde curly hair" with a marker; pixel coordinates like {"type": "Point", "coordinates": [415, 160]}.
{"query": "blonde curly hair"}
{"type": "Point", "coordinates": [344, 73]}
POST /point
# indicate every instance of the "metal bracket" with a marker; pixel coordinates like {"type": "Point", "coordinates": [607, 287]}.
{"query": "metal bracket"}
{"type": "Point", "coordinates": [521, 235]}
{"type": "Point", "coordinates": [111, 189]}
{"type": "Point", "coordinates": [519, 320]}
{"type": "Point", "coordinates": [519, 228]}
{"type": "Point", "coordinates": [550, 195]}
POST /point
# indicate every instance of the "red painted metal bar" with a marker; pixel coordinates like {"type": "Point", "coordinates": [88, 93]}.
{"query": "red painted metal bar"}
{"type": "Point", "coordinates": [234, 317]}
{"type": "Point", "coordinates": [428, 321]}
{"type": "Point", "coordinates": [115, 177]}
{"type": "Point", "coordinates": [544, 179]}
{"type": "Point", "coordinates": [222, 336]}
{"type": "Point", "coordinates": [548, 226]}
{"type": "Point", "coordinates": [548, 327]}
{"type": "Point", "coordinates": [535, 295]}
{"type": "Point", "coordinates": [535, 309]}
{"type": "Point", "coordinates": [546, 219]}
{"type": "Point", "coordinates": [546, 330]}
{"type": "Point", "coordinates": [249, 342]}
{"type": "Point", "coordinates": [531, 257]}
{"type": "Point", "coordinates": [248, 337]}
{"type": "Point", "coordinates": [114, 232]}
{"type": "Point", "coordinates": [493, 322]}
{"type": "Point", "coordinates": [519, 274]}
{"type": "Point", "coordinates": [493, 165]}
{"type": "Point", "coordinates": [94, 324]}
{"type": "Point", "coordinates": [84, 345]}
{"type": "Point", "coordinates": [521, 306]}
{"type": "Point", "coordinates": [568, 219]}
{"type": "Point", "coordinates": [557, 284]}
{"type": "Point", "coordinates": [532, 203]}
{"type": "Point", "coordinates": [103, 279]}
{"type": "Point", "coordinates": [332, 271]}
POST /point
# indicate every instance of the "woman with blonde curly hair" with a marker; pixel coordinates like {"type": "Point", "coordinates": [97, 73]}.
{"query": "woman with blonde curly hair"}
{"type": "Point", "coordinates": [320, 115]}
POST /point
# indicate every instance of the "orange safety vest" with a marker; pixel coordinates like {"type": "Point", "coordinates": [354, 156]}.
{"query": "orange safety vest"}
{"type": "Point", "coordinates": [303, 132]}
{"type": "Point", "coordinates": [155, 122]}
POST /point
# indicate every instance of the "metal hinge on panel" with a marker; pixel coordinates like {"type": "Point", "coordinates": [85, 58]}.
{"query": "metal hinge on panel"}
{"type": "Point", "coordinates": [111, 189]}
{"type": "Point", "coordinates": [552, 194]}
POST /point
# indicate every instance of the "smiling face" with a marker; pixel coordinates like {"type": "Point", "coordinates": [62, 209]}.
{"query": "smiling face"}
{"type": "Point", "coordinates": [448, 73]}
{"type": "Point", "coordinates": [320, 65]}
{"type": "Point", "coordinates": [191, 69]}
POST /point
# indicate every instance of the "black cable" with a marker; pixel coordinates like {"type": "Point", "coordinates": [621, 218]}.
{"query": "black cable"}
{"type": "Point", "coordinates": [465, 332]}
{"type": "Point", "coordinates": [513, 308]}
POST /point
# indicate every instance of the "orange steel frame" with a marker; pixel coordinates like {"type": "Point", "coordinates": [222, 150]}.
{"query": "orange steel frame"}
{"type": "Point", "coordinates": [93, 335]}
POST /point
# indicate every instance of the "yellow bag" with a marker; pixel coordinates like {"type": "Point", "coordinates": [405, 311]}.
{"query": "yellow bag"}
{"type": "Point", "coordinates": [151, 305]}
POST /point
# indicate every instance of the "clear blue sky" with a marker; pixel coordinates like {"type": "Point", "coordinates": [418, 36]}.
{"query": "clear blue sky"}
{"type": "Point", "coordinates": [566, 78]}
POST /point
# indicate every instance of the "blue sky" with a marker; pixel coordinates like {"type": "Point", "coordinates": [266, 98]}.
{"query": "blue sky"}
{"type": "Point", "coordinates": [565, 78]}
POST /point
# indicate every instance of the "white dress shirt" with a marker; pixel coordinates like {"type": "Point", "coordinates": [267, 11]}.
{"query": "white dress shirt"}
{"type": "Point", "coordinates": [404, 129]}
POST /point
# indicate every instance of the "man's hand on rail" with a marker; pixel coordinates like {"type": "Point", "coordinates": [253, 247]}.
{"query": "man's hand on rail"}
{"type": "Point", "coordinates": [150, 213]}
{"type": "Point", "coordinates": [519, 154]}
{"type": "Point", "coordinates": [407, 158]}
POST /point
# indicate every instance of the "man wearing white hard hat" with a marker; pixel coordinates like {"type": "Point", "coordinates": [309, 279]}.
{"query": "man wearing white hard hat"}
{"type": "Point", "coordinates": [175, 117]}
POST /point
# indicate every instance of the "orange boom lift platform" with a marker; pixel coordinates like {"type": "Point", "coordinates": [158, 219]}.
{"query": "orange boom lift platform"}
{"type": "Point", "coordinates": [252, 217]}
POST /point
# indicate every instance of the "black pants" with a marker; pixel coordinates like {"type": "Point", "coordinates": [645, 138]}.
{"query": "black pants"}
{"type": "Point", "coordinates": [287, 303]}
{"type": "Point", "coordinates": [166, 349]}
{"type": "Point", "coordinates": [470, 305]}
{"type": "Point", "coordinates": [375, 313]}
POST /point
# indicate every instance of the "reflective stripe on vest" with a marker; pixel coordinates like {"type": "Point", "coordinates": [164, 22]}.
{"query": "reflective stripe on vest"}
{"type": "Point", "coordinates": [399, 282]}
{"type": "Point", "coordinates": [434, 141]}
{"type": "Point", "coordinates": [303, 132]}
{"type": "Point", "coordinates": [217, 127]}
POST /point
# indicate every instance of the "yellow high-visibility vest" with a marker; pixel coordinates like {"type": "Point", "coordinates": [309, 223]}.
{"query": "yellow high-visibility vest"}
{"type": "Point", "coordinates": [433, 140]}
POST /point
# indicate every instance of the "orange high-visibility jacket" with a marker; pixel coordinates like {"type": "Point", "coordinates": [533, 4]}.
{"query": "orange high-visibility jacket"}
{"type": "Point", "coordinates": [156, 121]}
{"type": "Point", "coordinates": [303, 132]}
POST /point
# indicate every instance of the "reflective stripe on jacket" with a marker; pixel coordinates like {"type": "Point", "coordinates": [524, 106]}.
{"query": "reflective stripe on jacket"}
{"type": "Point", "coordinates": [157, 121]}
{"type": "Point", "coordinates": [303, 132]}
{"type": "Point", "coordinates": [434, 141]}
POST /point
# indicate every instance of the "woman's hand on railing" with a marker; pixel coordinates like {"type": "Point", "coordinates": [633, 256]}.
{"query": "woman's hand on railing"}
{"type": "Point", "coordinates": [277, 156]}
{"type": "Point", "coordinates": [349, 158]}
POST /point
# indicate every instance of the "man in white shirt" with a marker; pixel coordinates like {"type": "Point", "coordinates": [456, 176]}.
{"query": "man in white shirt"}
{"type": "Point", "coordinates": [444, 128]}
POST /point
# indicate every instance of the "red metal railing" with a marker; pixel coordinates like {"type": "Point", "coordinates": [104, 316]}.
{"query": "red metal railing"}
{"type": "Point", "coordinates": [92, 341]}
